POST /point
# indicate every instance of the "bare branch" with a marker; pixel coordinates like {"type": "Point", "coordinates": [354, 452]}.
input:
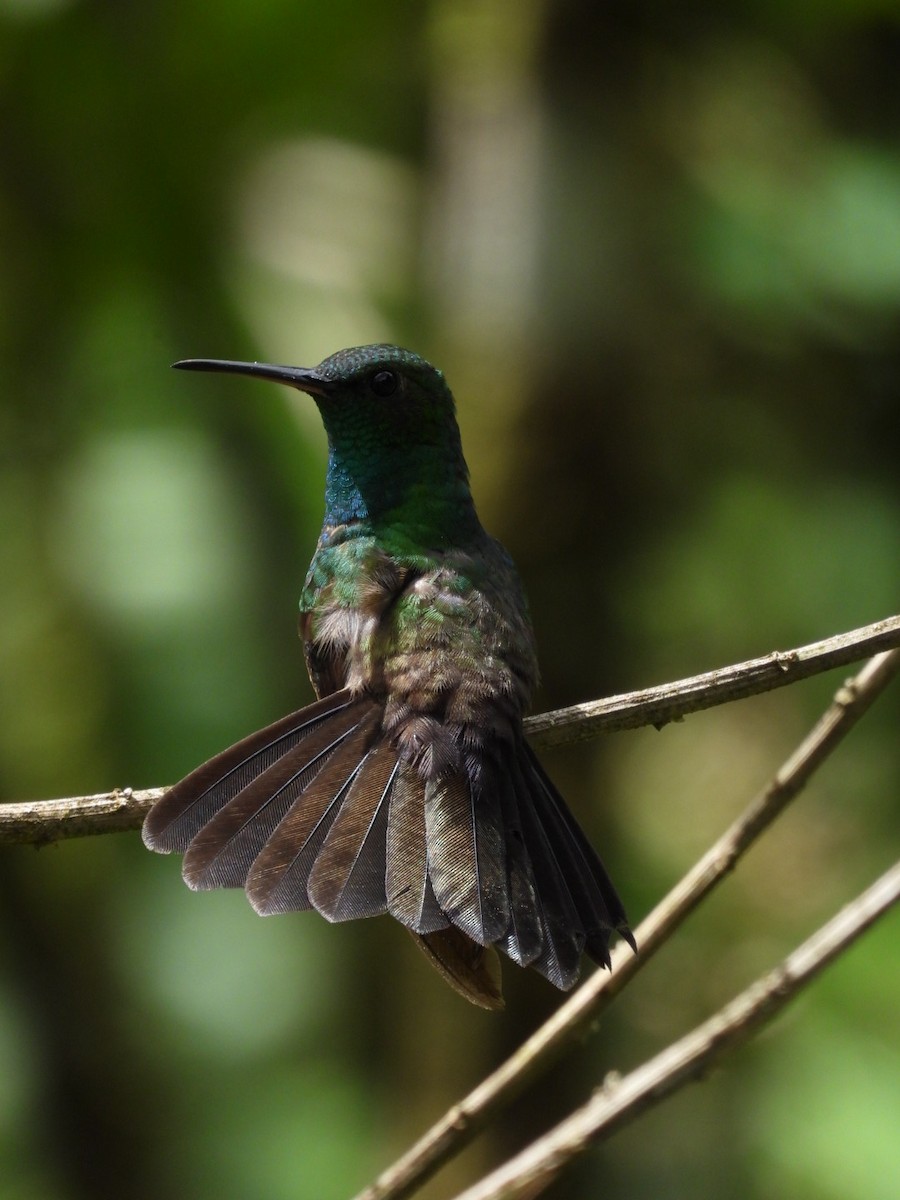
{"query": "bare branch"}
{"type": "Point", "coordinates": [672, 701]}
{"type": "Point", "coordinates": [622, 1100]}
{"type": "Point", "coordinates": [41, 821]}
{"type": "Point", "coordinates": [467, 1118]}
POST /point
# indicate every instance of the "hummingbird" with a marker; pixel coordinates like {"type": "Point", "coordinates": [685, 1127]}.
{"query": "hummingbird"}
{"type": "Point", "coordinates": [408, 787]}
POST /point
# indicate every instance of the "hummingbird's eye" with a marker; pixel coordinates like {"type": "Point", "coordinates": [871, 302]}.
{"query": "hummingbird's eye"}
{"type": "Point", "coordinates": [384, 383]}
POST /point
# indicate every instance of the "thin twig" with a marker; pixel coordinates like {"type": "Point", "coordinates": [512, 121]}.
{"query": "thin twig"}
{"type": "Point", "coordinates": [467, 1118]}
{"type": "Point", "coordinates": [672, 701]}
{"type": "Point", "coordinates": [42, 821]}
{"type": "Point", "coordinates": [620, 1101]}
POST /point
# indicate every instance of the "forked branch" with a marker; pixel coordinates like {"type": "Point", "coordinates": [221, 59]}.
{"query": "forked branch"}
{"type": "Point", "coordinates": [621, 1101]}
{"type": "Point", "coordinates": [467, 1118]}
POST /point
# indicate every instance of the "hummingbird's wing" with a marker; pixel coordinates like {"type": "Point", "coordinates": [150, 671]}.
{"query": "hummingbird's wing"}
{"type": "Point", "coordinates": [326, 663]}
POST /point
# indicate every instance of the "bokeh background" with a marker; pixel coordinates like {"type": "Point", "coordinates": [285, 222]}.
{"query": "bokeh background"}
{"type": "Point", "coordinates": [656, 249]}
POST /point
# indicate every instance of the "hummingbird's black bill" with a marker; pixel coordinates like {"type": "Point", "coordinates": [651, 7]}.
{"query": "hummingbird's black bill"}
{"type": "Point", "coordinates": [304, 378]}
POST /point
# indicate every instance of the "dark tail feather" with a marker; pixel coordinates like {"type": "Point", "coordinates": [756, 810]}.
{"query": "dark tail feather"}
{"type": "Point", "coordinates": [222, 854]}
{"type": "Point", "coordinates": [470, 969]}
{"type": "Point", "coordinates": [592, 892]}
{"type": "Point", "coordinates": [524, 939]}
{"type": "Point", "coordinates": [467, 853]}
{"type": "Point", "coordinates": [348, 878]}
{"type": "Point", "coordinates": [410, 896]}
{"type": "Point", "coordinates": [176, 819]}
{"type": "Point", "coordinates": [563, 932]}
{"type": "Point", "coordinates": [279, 877]}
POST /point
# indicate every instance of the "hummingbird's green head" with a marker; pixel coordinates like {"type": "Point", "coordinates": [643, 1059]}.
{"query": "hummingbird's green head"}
{"type": "Point", "coordinates": [386, 396]}
{"type": "Point", "coordinates": [395, 457]}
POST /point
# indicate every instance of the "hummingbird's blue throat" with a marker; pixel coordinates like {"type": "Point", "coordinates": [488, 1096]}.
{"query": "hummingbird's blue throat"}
{"type": "Point", "coordinates": [437, 503]}
{"type": "Point", "coordinates": [344, 501]}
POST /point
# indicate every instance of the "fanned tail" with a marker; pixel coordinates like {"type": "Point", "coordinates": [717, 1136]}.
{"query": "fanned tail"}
{"type": "Point", "coordinates": [321, 811]}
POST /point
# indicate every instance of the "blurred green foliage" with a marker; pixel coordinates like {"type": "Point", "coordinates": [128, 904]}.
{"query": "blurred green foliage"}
{"type": "Point", "coordinates": [656, 249]}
